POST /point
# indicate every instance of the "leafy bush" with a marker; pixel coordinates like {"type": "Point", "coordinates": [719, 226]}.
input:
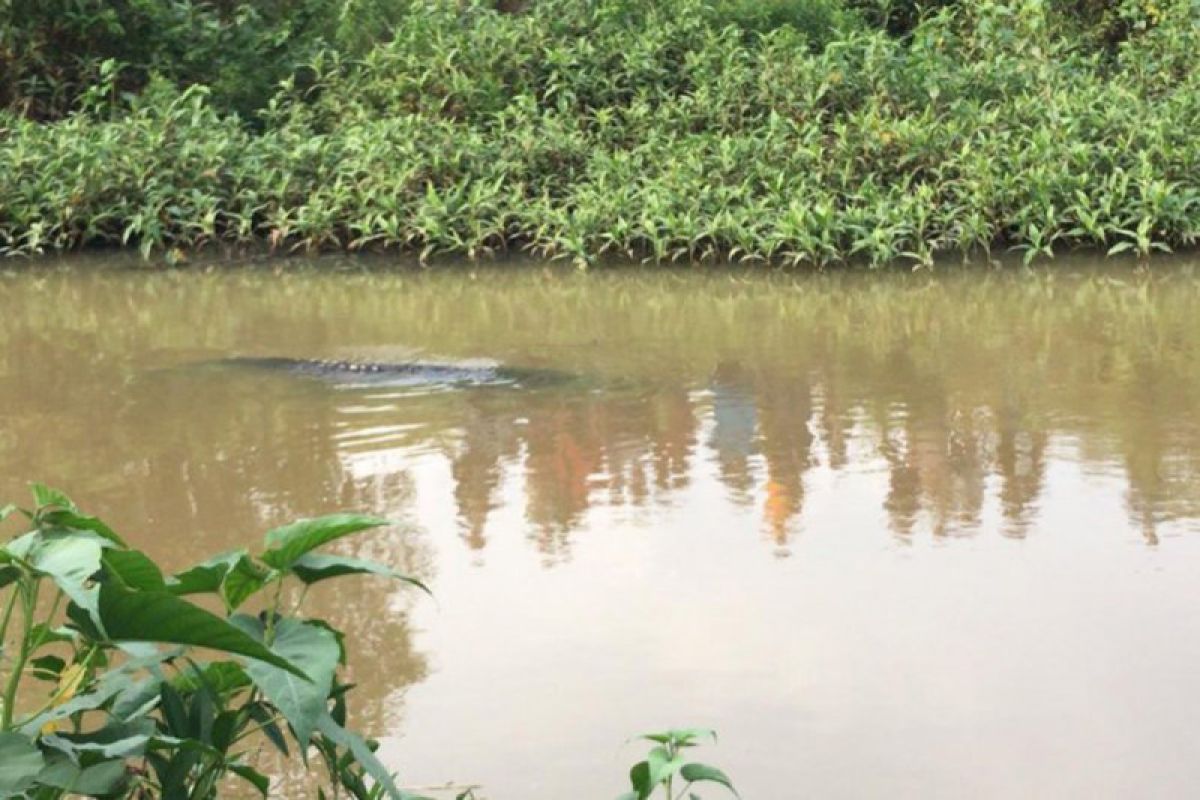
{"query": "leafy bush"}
{"type": "Point", "coordinates": [51, 50]}
{"type": "Point", "coordinates": [580, 128]}
{"type": "Point", "coordinates": [821, 21]}
{"type": "Point", "coordinates": [131, 711]}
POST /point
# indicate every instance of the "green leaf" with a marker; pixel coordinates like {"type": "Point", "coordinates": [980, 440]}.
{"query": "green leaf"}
{"type": "Point", "coordinates": [138, 699]}
{"type": "Point", "coordinates": [260, 782]}
{"type": "Point", "coordinates": [311, 648]}
{"type": "Point", "coordinates": [206, 576]}
{"type": "Point", "coordinates": [220, 677]}
{"type": "Point", "coordinates": [362, 753]}
{"type": "Point", "coordinates": [266, 721]}
{"type": "Point", "coordinates": [122, 740]}
{"type": "Point", "coordinates": [662, 765]}
{"type": "Point", "coordinates": [290, 542]}
{"type": "Point", "coordinates": [242, 582]}
{"type": "Point", "coordinates": [639, 779]}
{"type": "Point", "coordinates": [681, 737]}
{"type": "Point", "coordinates": [47, 668]}
{"type": "Point", "coordinates": [99, 779]}
{"type": "Point", "coordinates": [46, 635]}
{"type": "Point", "coordinates": [313, 567]}
{"type": "Point", "coordinates": [70, 561]}
{"type": "Point", "coordinates": [9, 575]}
{"type": "Point", "coordinates": [7, 510]}
{"type": "Point", "coordinates": [20, 763]}
{"type": "Point", "coordinates": [18, 549]}
{"type": "Point", "coordinates": [103, 778]}
{"type": "Point", "coordinates": [696, 773]}
{"type": "Point", "coordinates": [163, 617]}
{"type": "Point", "coordinates": [134, 569]}
{"type": "Point", "coordinates": [44, 496]}
{"type": "Point", "coordinates": [70, 520]}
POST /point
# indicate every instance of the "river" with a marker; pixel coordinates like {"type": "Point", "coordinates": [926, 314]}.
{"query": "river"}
{"type": "Point", "coordinates": [929, 535]}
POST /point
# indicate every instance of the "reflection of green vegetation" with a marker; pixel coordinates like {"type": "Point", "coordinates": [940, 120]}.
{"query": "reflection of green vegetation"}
{"type": "Point", "coordinates": [815, 131]}
{"type": "Point", "coordinates": [958, 385]}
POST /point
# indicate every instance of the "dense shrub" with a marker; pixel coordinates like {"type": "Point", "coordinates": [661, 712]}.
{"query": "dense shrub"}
{"type": "Point", "coordinates": [674, 129]}
{"type": "Point", "coordinates": [51, 50]}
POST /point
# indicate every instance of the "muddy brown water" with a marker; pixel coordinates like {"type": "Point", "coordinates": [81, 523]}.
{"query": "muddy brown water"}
{"type": "Point", "coordinates": [927, 536]}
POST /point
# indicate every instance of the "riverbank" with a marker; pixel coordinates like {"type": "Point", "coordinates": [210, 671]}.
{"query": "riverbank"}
{"type": "Point", "coordinates": [680, 130]}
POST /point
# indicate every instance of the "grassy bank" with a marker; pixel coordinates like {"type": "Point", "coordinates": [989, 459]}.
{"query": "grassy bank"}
{"type": "Point", "coordinates": [806, 132]}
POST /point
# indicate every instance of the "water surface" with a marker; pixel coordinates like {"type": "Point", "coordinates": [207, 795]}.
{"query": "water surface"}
{"type": "Point", "coordinates": [927, 536]}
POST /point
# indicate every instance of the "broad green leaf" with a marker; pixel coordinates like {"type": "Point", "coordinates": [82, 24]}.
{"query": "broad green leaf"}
{"type": "Point", "coordinates": [288, 543]}
{"type": "Point", "coordinates": [696, 773]}
{"type": "Point", "coordinates": [70, 561]}
{"type": "Point", "coordinates": [20, 763]}
{"type": "Point", "coordinates": [313, 567]}
{"type": "Point", "coordinates": [6, 511]}
{"type": "Point", "coordinates": [134, 569]}
{"type": "Point", "coordinates": [206, 576]}
{"type": "Point", "coordinates": [163, 617]}
{"type": "Point", "coordinates": [311, 648]}
{"type": "Point", "coordinates": [70, 520]}
{"type": "Point", "coordinates": [361, 752]}
{"type": "Point", "coordinates": [98, 779]}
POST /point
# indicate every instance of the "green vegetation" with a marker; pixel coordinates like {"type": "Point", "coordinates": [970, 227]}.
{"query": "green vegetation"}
{"type": "Point", "coordinates": [814, 131]}
{"type": "Point", "coordinates": [126, 717]}
{"type": "Point", "coordinates": [665, 767]}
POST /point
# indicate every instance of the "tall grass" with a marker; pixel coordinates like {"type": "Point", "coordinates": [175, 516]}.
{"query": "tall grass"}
{"type": "Point", "coordinates": [796, 133]}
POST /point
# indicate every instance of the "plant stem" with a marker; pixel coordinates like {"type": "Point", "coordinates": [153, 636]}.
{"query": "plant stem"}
{"type": "Point", "coordinates": [269, 633]}
{"type": "Point", "coordinates": [28, 591]}
{"type": "Point", "coordinates": [8, 611]}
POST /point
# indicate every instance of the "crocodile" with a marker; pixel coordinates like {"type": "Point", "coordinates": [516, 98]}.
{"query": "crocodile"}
{"type": "Point", "coordinates": [402, 373]}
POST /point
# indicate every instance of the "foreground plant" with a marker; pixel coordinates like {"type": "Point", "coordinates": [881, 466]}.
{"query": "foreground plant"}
{"type": "Point", "coordinates": [131, 711]}
{"type": "Point", "coordinates": [665, 767]}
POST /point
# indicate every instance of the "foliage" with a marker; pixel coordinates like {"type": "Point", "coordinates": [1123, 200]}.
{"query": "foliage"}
{"type": "Point", "coordinates": [131, 710]}
{"type": "Point", "coordinates": [790, 132]}
{"type": "Point", "coordinates": [665, 767]}
{"type": "Point", "coordinates": [51, 50]}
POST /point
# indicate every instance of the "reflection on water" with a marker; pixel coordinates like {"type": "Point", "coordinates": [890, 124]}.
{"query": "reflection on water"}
{"type": "Point", "coordinates": [846, 421]}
